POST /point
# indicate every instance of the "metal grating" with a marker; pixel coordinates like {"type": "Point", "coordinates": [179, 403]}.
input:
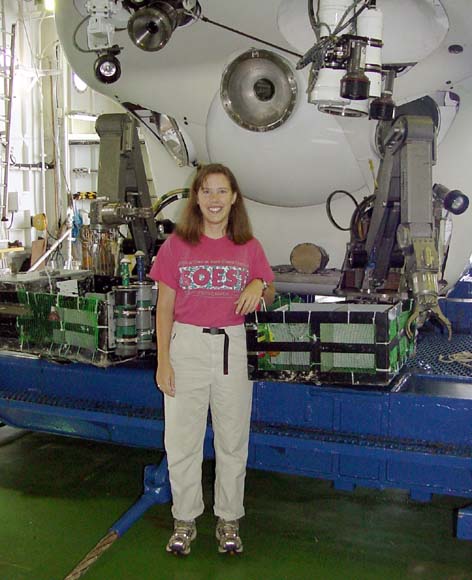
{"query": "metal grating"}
{"type": "Point", "coordinates": [374, 441]}
{"type": "Point", "coordinates": [123, 409]}
{"type": "Point", "coordinates": [431, 345]}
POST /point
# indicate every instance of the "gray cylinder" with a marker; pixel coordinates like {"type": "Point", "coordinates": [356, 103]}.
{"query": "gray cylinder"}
{"type": "Point", "coordinates": [125, 321]}
{"type": "Point", "coordinates": [144, 318]}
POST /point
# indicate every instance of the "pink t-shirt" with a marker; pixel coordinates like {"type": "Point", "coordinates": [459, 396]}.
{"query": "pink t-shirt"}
{"type": "Point", "coordinates": [209, 277]}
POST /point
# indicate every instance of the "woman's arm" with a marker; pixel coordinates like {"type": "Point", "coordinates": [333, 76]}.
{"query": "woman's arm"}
{"type": "Point", "coordinates": [250, 297]}
{"type": "Point", "coordinates": [164, 320]}
{"type": "Point", "coordinates": [269, 294]}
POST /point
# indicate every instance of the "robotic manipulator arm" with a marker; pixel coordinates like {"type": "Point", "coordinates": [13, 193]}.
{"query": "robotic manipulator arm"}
{"type": "Point", "coordinates": [399, 256]}
{"type": "Point", "coordinates": [124, 196]}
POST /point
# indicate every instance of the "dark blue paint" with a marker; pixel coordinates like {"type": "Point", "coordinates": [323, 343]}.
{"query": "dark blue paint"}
{"type": "Point", "coordinates": [418, 439]}
{"type": "Point", "coordinates": [464, 523]}
{"type": "Point", "coordinates": [459, 313]}
{"type": "Point", "coordinates": [156, 490]}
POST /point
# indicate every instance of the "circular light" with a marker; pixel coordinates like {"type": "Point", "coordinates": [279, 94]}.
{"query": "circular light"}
{"type": "Point", "coordinates": [79, 85]}
{"type": "Point", "coordinates": [456, 202]}
{"type": "Point", "coordinates": [107, 68]}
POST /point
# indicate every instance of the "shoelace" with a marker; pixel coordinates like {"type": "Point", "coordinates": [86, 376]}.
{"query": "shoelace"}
{"type": "Point", "coordinates": [230, 530]}
{"type": "Point", "coordinates": [183, 530]}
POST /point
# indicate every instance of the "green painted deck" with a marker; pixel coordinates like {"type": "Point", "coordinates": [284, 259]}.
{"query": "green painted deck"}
{"type": "Point", "coordinates": [59, 496]}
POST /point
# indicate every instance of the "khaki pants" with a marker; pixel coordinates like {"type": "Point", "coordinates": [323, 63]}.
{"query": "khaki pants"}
{"type": "Point", "coordinates": [197, 359]}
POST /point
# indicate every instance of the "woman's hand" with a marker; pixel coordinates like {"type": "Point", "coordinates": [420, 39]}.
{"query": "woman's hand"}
{"type": "Point", "coordinates": [165, 379]}
{"type": "Point", "coordinates": [250, 297]}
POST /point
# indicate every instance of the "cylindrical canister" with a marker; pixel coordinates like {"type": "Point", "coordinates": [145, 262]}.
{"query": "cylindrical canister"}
{"type": "Point", "coordinates": [140, 266]}
{"type": "Point", "coordinates": [143, 294]}
{"type": "Point", "coordinates": [144, 318]}
{"type": "Point", "coordinates": [124, 271]}
{"type": "Point", "coordinates": [330, 14]}
{"type": "Point", "coordinates": [125, 321]}
{"type": "Point", "coordinates": [370, 25]}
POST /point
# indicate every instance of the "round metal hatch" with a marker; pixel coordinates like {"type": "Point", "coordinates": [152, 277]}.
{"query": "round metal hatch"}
{"type": "Point", "coordinates": [258, 90]}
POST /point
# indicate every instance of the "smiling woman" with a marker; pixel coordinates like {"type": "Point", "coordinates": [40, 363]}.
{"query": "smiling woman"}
{"type": "Point", "coordinates": [203, 213]}
{"type": "Point", "coordinates": [211, 273]}
{"type": "Point", "coordinates": [215, 199]}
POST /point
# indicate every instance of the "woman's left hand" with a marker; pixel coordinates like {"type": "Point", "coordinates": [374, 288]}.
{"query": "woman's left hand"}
{"type": "Point", "coordinates": [250, 297]}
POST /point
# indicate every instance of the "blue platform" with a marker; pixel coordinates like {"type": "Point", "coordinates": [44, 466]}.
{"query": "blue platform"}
{"type": "Point", "coordinates": [456, 305]}
{"type": "Point", "coordinates": [415, 434]}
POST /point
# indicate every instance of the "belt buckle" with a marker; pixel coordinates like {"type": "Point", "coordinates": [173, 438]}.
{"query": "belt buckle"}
{"type": "Point", "coordinates": [214, 330]}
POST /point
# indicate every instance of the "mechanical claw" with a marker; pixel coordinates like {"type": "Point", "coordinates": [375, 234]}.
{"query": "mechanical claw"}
{"type": "Point", "coordinates": [411, 320]}
{"type": "Point", "coordinates": [435, 311]}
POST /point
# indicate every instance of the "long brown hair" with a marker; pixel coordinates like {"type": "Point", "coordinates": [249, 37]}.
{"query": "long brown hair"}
{"type": "Point", "coordinates": [190, 226]}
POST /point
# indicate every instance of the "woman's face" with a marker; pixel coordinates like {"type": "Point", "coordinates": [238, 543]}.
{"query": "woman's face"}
{"type": "Point", "coordinates": [215, 199]}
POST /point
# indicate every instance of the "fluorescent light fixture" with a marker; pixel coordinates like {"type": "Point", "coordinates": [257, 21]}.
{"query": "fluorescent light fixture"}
{"type": "Point", "coordinates": [82, 116]}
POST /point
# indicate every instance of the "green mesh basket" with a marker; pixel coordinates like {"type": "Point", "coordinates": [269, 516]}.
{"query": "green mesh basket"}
{"type": "Point", "coordinates": [341, 342]}
{"type": "Point", "coordinates": [55, 321]}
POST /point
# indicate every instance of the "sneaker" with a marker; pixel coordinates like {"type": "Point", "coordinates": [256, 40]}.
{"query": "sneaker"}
{"type": "Point", "coordinates": [184, 533]}
{"type": "Point", "coordinates": [227, 534]}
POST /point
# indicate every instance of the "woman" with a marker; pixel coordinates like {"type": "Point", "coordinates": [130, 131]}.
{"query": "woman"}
{"type": "Point", "coordinates": [211, 273]}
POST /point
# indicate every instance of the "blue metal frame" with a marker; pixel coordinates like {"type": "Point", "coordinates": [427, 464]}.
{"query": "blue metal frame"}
{"type": "Point", "coordinates": [464, 523]}
{"type": "Point", "coordinates": [421, 443]}
{"type": "Point", "coordinates": [416, 435]}
{"type": "Point", "coordinates": [156, 490]}
{"type": "Point", "coordinates": [457, 305]}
